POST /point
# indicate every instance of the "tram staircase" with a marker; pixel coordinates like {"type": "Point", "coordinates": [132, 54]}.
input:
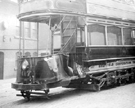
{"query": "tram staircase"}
{"type": "Point", "coordinates": [68, 30]}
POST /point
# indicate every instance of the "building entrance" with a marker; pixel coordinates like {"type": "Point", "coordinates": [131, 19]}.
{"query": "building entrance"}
{"type": "Point", "coordinates": [1, 64]}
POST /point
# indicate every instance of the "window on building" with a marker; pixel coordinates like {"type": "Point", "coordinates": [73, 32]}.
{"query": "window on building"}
{"type": "Point", "coordinates": [26, 29]}
{"type": "Point", "coordinates": [17, 28]}
{"type": "Point", "coordinates": [127, 36]}
{"type": "Point", "coordinates": [33, 30]}
{"type": "Point", "coordinates": [114, 35]}
{"type": "Point", "coordinates": [96, 34]}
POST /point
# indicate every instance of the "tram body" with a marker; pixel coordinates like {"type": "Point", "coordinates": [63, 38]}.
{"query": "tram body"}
{"type": "Point", "coordinates": [93, 51]}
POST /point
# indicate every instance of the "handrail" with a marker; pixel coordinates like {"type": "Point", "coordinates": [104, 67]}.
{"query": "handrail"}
{"type": "Point", "coordinates": [67, 25]}
{"type": "Point", "coordinates": [60, 23]}
{"type": "Point", "coordinates": [68, 41]}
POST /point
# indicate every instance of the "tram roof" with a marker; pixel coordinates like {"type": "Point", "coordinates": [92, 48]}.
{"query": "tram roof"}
{"type": "Point", "coordinates": [37, 10]}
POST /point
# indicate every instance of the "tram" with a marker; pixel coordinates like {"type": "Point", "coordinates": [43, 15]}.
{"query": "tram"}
{"type": "Point", "coordinates": [89, 48]}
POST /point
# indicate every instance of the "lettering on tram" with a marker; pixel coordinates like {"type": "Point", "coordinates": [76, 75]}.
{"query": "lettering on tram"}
{"type": "Point", "coordinates": [74, 48]}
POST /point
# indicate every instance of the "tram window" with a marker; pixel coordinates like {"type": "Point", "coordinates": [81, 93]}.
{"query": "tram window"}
{"type": "Point", "coordinates": [127, 36]}
{"type": "Point", "coordinates": [114, 35]}
{"type": "Point", "coordinates": [56, 41]}
{"type": "Point", "coordinates": [80, 36]}
{"type": "Point", "coordinates": [133, 37]}
{"type": "Point", "coordinates": [96, 34]}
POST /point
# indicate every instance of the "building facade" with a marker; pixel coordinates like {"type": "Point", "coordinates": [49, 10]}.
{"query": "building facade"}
{"type": "Point", "coordinates": [9, 38]}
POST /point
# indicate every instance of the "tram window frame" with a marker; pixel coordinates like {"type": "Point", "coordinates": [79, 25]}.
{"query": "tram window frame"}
{"type": "Point", "coordinates": [90, 37]}
{"type": "Point", "coordinates": [127, 37]}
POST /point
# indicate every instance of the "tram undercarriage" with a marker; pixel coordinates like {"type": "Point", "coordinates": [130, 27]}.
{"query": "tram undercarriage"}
{"type": "Point", "coordinates": [98, 81]}
{"type": "Point", "coordinates": [90, 82]}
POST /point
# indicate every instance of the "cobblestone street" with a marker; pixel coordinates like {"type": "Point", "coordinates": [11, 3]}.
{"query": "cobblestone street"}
{"type": "Point", "coordinates": [119, 97]}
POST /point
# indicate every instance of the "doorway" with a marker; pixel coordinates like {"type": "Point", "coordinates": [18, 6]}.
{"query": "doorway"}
{"type": "Point", "coordinates": [1, 64]}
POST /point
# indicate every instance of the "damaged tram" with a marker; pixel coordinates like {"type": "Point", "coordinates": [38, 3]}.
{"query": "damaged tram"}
{"type": "Point", "coordinates": [87, 51]}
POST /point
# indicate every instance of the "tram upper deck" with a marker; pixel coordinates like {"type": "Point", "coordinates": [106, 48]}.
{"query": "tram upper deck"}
{"type": "Point", "coordinates": [35, 8]}
{"type": "Point", "coordinates": [105, 27]}
{"type": "Point", "coordinates": [119, 9]}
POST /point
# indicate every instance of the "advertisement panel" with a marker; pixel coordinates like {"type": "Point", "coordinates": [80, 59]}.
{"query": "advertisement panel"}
{"type": "Point", "coordinates": [123, 9]}
{"type": "Point", "coordinates": [59, 5]}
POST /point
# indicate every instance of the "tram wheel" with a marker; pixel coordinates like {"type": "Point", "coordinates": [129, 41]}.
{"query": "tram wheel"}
{"type": "Point", "coordinates": [22, 92]}
{"type": "Point", "coordinates": [27, 95]}
{"type": "Point", "coordinates": [46, 91]}
{"type": "Point", "coordinates": [119, 82]}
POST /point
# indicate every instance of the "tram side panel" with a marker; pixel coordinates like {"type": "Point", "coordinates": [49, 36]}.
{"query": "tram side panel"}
{"type": "Point", "coordinates": [109, 52]}
{"type": "Point", "coordinates": [88, 56]}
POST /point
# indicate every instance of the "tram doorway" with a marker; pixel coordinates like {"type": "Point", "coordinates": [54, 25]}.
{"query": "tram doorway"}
{"type": "Point", "coordinates": [1, 64]}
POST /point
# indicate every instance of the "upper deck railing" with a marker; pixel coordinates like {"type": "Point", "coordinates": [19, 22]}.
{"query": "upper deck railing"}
{"type": "Point", "coordinates": [121, 9]}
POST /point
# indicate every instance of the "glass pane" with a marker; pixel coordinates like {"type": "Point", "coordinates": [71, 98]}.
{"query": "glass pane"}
{"type": "Point", "coordinates": [127, 36]}
{"type": "Point", "coordinates": [114, 35]}
{"type": "Point", "coordinates": [34, 33]}
{"type": "Point", "coordinates": [112, 39]}
{"type": "Point", "coordinates": [133, 37]}
{"type": "Point", "coordinates": [57, 41]}
{"type": "Point", "coordinates": [34, 30]}
{"type": "Point", "coordinates": [17, 30]}
{"type": "Point", "coordinates": [96, 34]}
{"type": "Point", "coordinates": [26, 32]}
{"type": "Point", "coordinates": [33, 25]}
{"type": "Point", "coordinates": [26, 24]}
{"type": "Point", "coordinates": [97, 38]}
{"type": "Point", "coordinates": [26, 29]}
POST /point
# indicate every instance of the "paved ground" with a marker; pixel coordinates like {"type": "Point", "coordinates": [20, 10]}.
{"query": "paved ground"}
{"type": "Point", "coordinates": [119, 97]}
